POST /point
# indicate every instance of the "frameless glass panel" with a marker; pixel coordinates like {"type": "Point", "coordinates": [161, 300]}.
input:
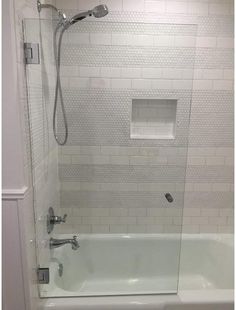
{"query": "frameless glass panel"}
{"type": "Point", "coordinates": [120, 177]}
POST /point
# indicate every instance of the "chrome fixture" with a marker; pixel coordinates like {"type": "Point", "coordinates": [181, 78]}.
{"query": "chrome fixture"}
{"type": "Point", "coordinates": [31, 53]}
{"type": "Point", "coordinates": [43, 275]}
{"type": "Point", "coordinates": [41, 6]}
{"type": "Point", "coordinates": [98, 12]}
{"type": "Point", "coordinates": [63, 24]}
{"type": "Point", "coordinates": [169, 198]}
{"type": "Point", "coordinates": [52, 219]}
{"type": "Point", "coordinates": [56, 243]}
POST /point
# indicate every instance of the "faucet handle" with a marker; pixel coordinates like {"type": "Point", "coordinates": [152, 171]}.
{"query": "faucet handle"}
{"type": "Point", "coordinates": [64, 218]}
{"type": "Point", "coordinates": [75, 244]}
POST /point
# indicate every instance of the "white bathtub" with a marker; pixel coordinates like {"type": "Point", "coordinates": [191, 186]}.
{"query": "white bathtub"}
{"type": "Point", "coordinates": [140, 264]}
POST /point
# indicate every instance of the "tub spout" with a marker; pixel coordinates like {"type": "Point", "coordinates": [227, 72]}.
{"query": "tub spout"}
{"type": "Point", "coordinates": [56, 243]}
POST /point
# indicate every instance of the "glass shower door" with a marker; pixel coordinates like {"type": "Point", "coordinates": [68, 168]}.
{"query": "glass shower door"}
{"type": "Point", "coordinates": [120, 178]}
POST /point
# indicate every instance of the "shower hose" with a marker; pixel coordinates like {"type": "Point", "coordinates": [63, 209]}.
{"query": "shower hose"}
{"type": "Point", "coordinates": [58, 88]}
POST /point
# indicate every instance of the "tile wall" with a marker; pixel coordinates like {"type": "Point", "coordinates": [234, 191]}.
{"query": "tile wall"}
{"type": "Point", "coordinates": [111, 183]}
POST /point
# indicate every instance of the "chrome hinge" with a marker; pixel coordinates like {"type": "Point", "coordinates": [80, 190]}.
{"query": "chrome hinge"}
{"type": "Point", "coordinates": [43, 275]}
{"type": "Point", "coordinates": [31, 53]}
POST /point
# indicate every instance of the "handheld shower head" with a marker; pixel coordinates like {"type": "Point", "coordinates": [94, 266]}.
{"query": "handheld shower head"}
{"type": "Point", "coordinates": [98, 12]}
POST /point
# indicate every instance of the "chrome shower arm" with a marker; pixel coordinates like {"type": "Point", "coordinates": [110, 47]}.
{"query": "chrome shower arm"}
{"type": "Point", "coordinates": [41, 6]}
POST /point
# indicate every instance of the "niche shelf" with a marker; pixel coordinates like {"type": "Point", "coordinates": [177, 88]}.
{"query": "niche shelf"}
{"type": "Point", "coordinates": [153, 119]}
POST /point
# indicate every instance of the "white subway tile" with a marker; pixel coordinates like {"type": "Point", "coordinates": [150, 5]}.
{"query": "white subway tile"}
{"type": "Point", "coordinates": [223, 85]}
{"type": "Point", "coordinates": [69, 71]}
{"type": "Point", "coordinates": [90, 220]}
{"type": "Point", "coordinates": [182, 84]}
{"type": "Point", "coordinates": [212, 74]}
{"type": "Point", "coordinates": [215, 220]}
{"type": "Point", "coordinates": [70, 4]}
{"type": "Point", "coordinates": [66, 82]}
{"type": "Point", "coordinates": [155, 6]}
{"type": "Point", "coordinates": [226, 212]}
{"type": "Point", "coordinates": [85, 186]}
{"type": "Point", "coordinates": [100, 38]}
{"type": "Point", "coordinates": [100, 83]}
{"type": "Point", "coordinates": [221, 187]}
{"type": "Point", "coordinates": [192, 229]}
{"type": "Point", "coordinates": [215, 161]}
{"type": "Point", "coordinates": [155, 228]}
{"type": "Point", "coordinates": [118, 212]}
{"type": "Point", "coordinates": [87, 4]}
{"type": "Point", "coordinates": [119, 160]}
{"type": "Point", "coordinates": [208, 228]}
{"type": "Point", "coordinates": [176, 7]}
{"type": "Point", "coordinates": [196, 161]}
{"type": "Point", "coordinates": [161, 84]}
{"type": "Point", "coordinates": [185, 41]}
{"type": "Point", "coordinates": [192, 212]}
{"type": "Point", "coordinates": [201, 151]}
{"type": "Point", "coordinates": [225, 42]}
{"type": "Point", "coordinates": [202, 187]}
{"type": "Point", "coordinates": [164, 40]}
{"type": "Point", "coordinates": [202, 84]}
{"type": "Point", "coordinates": [79, 82]}
{"type": "Point", "coordinates": [200, 220]}
{"type": "Point", "coordinates": [198, 8]}
{"type": "Point", "coordinates": [141, 84]}
{"type": "Point", "coordinates": [88, 150]}
{"type": "Point", "coordinates": [210, 212]}
{"type": "Point", "coordinates": [156, 212]}
{"type": "Point", "coordinates": [198, 73]}
{"type": "Point", "coordinates": [120, 83]}
{"type": "Point", "coordinates": [78, 38]}
{"type": "Point", "coordinates": [100, 229]}
{"type": "Point", "coordinates": [110, 72]}
{"type": "Point", "coordinates": [145, 220]}
{"type": "Point", "coordinates": [219, 8]}
{"type": "Point", "coordinates": [114, 5]}
{"type": "Point", "coordinates": [225, 229]}
{"type": "Point", "coordinates": [89, 71]}
{"type": "Point", "coordinates": [206, 42]}
{"type": "Point", "coordinates": [139, 160]}
{"type": "Point", "coordinates": [137, 228]}
{"type": "Point", "coordinates": [133, 5]}
{"type": "Point", "coordinates": [130, 72]}
{"type": "Point", "coordinates": [65, 159]}
{"type": "Point", "coordinates": [225, 151]}
{"type": "Point", "coordinates": [229, 161]}
{"type": "Point", "coordinates": [188, 73]}
{"type": "Point", "coordinates": [168, 73]}
{"type": "Point", "coordinates": [118, 228]}
{"type": "Point", "coordinates": [228, 74]}
{"type": "Point", "coordinates": [151, 73]}
{"type": "Point", "coordinates": [137, 211]}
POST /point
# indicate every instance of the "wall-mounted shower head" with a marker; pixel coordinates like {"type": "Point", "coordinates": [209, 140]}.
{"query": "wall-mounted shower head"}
{"type": "Point", "coordinates": [98, 12]}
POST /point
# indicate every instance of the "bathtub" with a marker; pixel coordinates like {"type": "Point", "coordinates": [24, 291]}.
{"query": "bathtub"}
{"type": "Point", "coordinates": [203, 280]}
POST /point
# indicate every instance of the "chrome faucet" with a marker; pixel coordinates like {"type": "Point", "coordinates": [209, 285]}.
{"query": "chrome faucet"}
{"type": "Point", "coordinates": [56, 243]}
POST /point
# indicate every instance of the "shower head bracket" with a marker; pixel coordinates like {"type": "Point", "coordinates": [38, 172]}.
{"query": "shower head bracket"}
{"type": "Point", "coordinates": [41, 6]}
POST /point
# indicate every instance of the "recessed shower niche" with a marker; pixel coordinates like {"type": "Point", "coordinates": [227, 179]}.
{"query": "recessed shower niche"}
{"type": "Point", "coordinates": [153, 118]}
